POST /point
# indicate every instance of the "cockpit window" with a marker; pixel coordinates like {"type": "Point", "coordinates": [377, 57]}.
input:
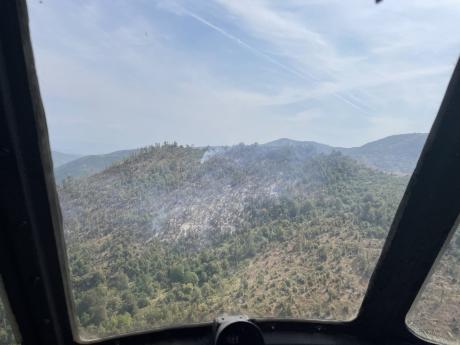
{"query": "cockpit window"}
{"type": "Point", "coordinates": [435, 315]}
{"type": "Point", "coordinates": [233, 157]}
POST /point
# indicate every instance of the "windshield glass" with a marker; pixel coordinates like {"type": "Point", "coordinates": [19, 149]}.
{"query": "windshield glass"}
{"type": "Point", "coordinates": [233, 157]}
{"type": "Point", "coordinates": [435, 315]}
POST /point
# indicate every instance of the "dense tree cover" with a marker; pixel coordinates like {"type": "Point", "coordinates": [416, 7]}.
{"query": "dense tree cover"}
{"type": "Point", "coordinates": [293, 226]}
{"type": "Point", "coordinates": [174, 235]}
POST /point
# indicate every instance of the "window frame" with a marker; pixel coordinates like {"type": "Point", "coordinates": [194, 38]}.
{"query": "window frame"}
{"type": "Point", "coordinates": [33, 260]}
{"type": "Point", "coordinates": [433, 269]}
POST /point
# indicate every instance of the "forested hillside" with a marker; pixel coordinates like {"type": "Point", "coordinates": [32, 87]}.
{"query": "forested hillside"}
{"type": "Point", "coordinates": [396, 154]}
{"type": "Point", "coordinates": [176, 234]}
{"type": "Point", "coordinates": [179, 234]}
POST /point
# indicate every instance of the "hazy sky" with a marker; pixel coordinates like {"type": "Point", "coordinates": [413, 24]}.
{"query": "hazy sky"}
{"type": "Point", "coordinates": [124, 74]}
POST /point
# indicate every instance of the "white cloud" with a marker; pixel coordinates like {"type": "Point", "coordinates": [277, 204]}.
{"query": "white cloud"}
{"type": "Point", "coordinates": [124, 75]}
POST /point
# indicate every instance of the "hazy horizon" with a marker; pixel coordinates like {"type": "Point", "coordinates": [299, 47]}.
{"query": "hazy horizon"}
{"type": "Point", "coordinates": [248, 143]}
{"type": "Point", "coordinates": [126, 74]}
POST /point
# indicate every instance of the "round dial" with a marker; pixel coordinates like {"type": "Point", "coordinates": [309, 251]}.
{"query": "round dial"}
{"type": "Point", "coordinates": [240, 332]}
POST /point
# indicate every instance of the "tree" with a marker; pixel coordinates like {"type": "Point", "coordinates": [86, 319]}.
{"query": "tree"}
{"type": "Point", "coordinates": [191, 277]}
{"type": "Point", "coordinates": [93, 304]}
{"type": "Point", "coordinates": [142, 302]}
{"type": "Point", "coordinates": [119, 281]}
{"type": "Point", "coordinates": [129, 303]}
{"type": "Point", "coordinates": [176, 273]}
{"type": "Point", "coordinates": [98, 314]}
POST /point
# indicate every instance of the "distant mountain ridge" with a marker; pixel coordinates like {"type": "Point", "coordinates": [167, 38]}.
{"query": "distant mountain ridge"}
{"type": "Point", "coordinates": [397, 154]}
{"type": "Point", "coordinates": [89, 165]}
{"type": "Point", "coordinates": [60, 158]}
{"type": "Point", "coordinates": [320, 148]}
{"type": "Point", "coordinates": [394, 154]}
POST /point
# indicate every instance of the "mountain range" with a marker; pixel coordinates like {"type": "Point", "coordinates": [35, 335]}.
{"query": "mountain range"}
{"type": "Point", "coordinates": [81, 166]}
{"type": "Point", "coordinates": [396, 154]}
{"type": "Point", "coordinates": [60, 158]}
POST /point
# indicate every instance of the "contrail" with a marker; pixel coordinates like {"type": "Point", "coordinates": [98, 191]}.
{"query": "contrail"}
{"type": "Point", "coordinates": [349, 102]}
{"type": "Point", "coordinates": [257, 52]}
{"type": "Point", "coordinates": [302, 75]}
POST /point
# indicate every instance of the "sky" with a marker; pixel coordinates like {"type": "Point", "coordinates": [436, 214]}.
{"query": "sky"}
{"type": "Point", "coordinates": [119, 74]}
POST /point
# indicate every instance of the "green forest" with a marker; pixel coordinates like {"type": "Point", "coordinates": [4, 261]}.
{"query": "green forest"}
{"type": "Point", "coordinates": [315, 243]}
{"type": "Point", "coordinates": [165, 237]}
